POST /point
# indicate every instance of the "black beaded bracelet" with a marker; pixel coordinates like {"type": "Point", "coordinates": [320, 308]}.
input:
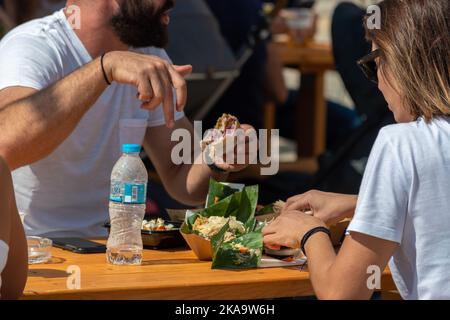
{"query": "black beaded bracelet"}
{"type": "Point", "coordinates": [103, 70]}
{"type": "Point", "coordinates": [310, 233]}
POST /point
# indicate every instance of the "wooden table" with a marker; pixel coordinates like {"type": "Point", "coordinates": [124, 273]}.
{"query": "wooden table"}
{"type": "Point", "coordinates": [170, 275]}
{"type": "Point", "coordinates": [312, 60]}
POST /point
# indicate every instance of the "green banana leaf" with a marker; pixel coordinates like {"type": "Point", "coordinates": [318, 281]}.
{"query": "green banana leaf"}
{"type": "Point", "coordinates": [224, 201]}
{"type": "Point", "coordinates": [250, 225]}
{"type": "Point", "coordinates": [248, 203]}
{"type": "Point", "coordinates": [266, 210]}
{"type": "Point", "coordinates": [242, 205]}
{"type": "Point", "coordinates": [217, 240]}
{"type": "Point", "coordinates": [218, 191]}
{"type": "Point", "coordinates": [227, 256]}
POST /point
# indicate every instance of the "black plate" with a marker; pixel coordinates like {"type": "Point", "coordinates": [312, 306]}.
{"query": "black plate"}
{"type": "Point", "coordinates": [161, 239]}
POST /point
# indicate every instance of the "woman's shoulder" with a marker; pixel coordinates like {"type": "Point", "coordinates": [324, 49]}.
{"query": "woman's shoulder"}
{"type": "Point", "coordinates": [415, 131]}
{"type": "Point", "coordinates": [415, 140]}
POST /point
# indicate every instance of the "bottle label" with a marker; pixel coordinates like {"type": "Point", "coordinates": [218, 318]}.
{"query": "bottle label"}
{"type": "Point", "coordinates": [116, 192]}
{"type": "Point", "coordinates": [132, 193]}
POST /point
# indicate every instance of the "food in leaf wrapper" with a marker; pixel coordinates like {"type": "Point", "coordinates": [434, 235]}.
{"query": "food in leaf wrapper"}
{"type": "Point", "coordinates": [239, 253]}
{"type": "Point", "coordinates": [230, 224]}
{"type": "Point", "coordinates": [210, 226]}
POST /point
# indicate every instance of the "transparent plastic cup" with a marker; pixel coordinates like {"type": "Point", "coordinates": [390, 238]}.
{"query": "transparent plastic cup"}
{"type": "Point", "coordinates": [299, 19]}
{"type": "Point", "coordinates": [39, 250]}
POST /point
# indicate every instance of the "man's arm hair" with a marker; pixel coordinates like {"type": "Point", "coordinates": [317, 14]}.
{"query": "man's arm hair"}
{"type": "Point", "coordinates": [35, 123]}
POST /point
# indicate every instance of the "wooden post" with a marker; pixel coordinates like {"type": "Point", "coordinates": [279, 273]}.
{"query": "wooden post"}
{"type": "Point", "coordinates": [311, 115]}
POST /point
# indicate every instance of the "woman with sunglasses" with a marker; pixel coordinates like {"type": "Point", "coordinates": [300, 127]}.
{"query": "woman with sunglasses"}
{"type": "Point", "coordinates": [402, 212]}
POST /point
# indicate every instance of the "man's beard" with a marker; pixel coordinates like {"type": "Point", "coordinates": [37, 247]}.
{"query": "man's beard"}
{"type": "Point", "coordinates": [138, 24]}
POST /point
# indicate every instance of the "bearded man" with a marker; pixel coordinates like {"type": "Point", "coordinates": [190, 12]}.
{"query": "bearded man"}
{"type": "Point", "coordinates": [66, 82]}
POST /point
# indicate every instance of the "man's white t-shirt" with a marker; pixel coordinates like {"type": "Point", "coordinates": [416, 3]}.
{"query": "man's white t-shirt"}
{"type": "Point", "coordinates": [4, 249]}
{"type": "Point", "coordinates": [405, 198]}
{"type": "Point", "coordinates": [66, 194]}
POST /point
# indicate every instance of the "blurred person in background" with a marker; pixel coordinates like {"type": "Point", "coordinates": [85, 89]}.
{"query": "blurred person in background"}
{"type": "Point", "coordinates": [341, 121]}
{"type": "Point", "coordinates": [15, 12]}
{"type": "Point", "coordinates": [342, 166]}
{"type": "Point", "coordinates": [245, 98]}
{"type": "Point", "coordinates": [26, 10]}
{"type": "Point", "coordinates": [349, 44]}
{"type": "Point", "coordinates": [195, 39]}
{"type": "Point", "coordinates": [6, 19]}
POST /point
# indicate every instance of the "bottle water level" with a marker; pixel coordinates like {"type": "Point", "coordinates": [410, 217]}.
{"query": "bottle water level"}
{"type": "Point", "coordinates": [124, 255]}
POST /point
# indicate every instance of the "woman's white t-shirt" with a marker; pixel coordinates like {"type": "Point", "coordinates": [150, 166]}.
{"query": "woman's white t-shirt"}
{"type": "Point", "coordinates": [3, 257]}
{"type": "Point", "coordinates": [405, 198]}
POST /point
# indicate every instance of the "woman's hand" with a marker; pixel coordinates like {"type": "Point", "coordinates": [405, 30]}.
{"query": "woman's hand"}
{"type": "Point", "coordinates": [288, 229]}
{"type": "Point", "coordinates": [328, 207]}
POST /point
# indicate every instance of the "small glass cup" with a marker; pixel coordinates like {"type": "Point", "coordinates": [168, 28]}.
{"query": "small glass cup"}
{"type": "Point", "coordinates": [300, 22]}
{"type": "Point", "coordinates": [39, 250]}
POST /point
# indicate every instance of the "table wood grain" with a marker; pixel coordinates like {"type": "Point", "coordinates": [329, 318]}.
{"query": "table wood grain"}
{"type": "Point", "coordinates": [167, 275]}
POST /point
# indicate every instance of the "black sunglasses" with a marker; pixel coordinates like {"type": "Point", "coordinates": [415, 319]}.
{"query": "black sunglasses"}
{"type": "Point", "coordinates": [369, 66]}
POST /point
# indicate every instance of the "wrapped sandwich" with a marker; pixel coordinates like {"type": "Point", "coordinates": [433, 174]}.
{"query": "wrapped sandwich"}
{"type": "Point", "coordinates": [215, 142]}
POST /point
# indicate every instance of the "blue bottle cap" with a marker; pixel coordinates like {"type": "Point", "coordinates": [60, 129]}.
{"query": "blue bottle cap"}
{"type": "Point", "coordinates": [131, 148]}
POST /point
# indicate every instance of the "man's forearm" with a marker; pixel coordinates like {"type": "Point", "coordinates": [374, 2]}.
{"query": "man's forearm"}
{"type": "Point", "coordinates": [198, 180]}
{"type": "Point", "coordinates": [34, 126]}
{"type": "Point", "coordinates": [195, 178]}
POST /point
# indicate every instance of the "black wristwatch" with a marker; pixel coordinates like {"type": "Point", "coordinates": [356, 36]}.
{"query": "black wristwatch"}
{"type": "Point", "coordinates": [213, 166]}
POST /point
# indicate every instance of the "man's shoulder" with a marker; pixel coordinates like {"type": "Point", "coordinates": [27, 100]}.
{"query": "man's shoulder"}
{"type": "Point", "coordinates": [31, 55]}
{"type": "Point", "coordinates": [33, 32]}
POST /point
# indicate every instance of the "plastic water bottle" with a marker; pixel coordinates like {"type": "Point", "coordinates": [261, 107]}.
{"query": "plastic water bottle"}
{"type": "Point", "coordinates": [127, 207]}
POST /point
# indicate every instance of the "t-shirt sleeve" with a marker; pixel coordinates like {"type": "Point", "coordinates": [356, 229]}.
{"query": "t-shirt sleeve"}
{"type": "Point", "coordinates": [156, 117]}
{"type": "Point", "coordinates": [27, 61]}
{"type": "Point", "coordinates": [383, 198]}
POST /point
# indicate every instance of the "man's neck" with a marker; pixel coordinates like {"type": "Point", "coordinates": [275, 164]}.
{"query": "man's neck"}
{"type": "Point", "coordinates": [95, 30]}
